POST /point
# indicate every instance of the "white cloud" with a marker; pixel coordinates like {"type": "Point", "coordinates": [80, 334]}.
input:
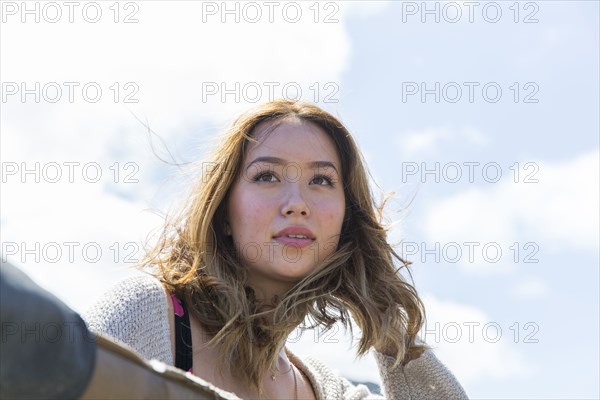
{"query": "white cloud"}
{"type": "Point", "coordinates": [425, 140]}
{"type": "Point", "coordinates": [429, 141]}
{"type": "Point", "coordinates": [531, 289]}
{"type": "Point", "coordinates": [74, 239]}
{"type": "Point", "coordinates": [363, 8]}
{"type": "Point", "coordinates": [167, 55]}
{"type": "Point", "coordinates": [335, 349]}
{"type": "Point", "coordinates": [473, 346]}
{"type": "Point", "coordinates": [558, 213]}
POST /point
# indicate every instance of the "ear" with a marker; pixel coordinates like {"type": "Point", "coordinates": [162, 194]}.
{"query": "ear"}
{"type": "Point", "coordinates": [227, 228]}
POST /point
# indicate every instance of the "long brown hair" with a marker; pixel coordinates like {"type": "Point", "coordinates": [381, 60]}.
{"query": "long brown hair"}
{"type": "Point", "coordinates": [197, 261]}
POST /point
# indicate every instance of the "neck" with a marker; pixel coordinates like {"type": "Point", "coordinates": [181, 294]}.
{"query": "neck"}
{"type": "Point", "coordinates": [282, 363]}
{"type": "Point", "coordinates": [269, 293]}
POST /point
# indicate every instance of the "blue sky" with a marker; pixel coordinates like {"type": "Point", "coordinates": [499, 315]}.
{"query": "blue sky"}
{"type": "Point", "coordinates": [533, 310]}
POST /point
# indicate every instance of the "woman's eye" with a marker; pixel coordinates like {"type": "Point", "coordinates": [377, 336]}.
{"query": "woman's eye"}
{"type": "Point", "coordinates": [265, 177]}
{"type": "Point", "coordinates": [322, 180]}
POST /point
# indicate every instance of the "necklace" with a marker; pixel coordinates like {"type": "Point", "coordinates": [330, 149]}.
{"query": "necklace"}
{"type": "Point", "coordinates": [295, 379]}
{"type": "Point", "coordinates": [282, 373]}
{"type": "Point", "coordinates": [295, 383]}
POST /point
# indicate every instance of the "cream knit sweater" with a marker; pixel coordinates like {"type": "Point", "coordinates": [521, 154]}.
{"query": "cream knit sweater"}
{"type": "Point", "coordinates": [135, 312]}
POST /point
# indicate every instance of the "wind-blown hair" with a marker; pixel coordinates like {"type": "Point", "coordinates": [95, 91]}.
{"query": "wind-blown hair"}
{"type": "Point", "coordinates": [198, 262]}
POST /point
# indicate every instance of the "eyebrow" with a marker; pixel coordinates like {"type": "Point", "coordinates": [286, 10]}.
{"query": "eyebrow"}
{"type": "Point", "coordinates": [281, 161]}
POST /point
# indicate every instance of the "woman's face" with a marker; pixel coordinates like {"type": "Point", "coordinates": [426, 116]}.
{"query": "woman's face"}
{"type": "Point", "coordinates": [286, 208]}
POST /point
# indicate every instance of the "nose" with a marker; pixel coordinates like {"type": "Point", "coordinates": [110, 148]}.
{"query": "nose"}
{"type": "Point", "coordinates": [294, 203]}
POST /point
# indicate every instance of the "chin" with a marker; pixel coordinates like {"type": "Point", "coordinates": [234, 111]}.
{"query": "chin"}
{"type": "Point", "coordinates": [290, 272]}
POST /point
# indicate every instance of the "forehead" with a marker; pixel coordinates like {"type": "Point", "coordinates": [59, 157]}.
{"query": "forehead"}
{"type": "Point", "coordinates": [292, 139]}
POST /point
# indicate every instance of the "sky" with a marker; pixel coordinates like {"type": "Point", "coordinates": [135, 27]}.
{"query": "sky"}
{"type": "Point", "coordinates": [479, 118]}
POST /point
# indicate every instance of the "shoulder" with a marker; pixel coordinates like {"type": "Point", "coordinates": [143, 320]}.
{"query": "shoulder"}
{"type": "Point", "coordinates": [135, 312]}
{"type": "Point", "coordinates": [327, 384]}
{"type": "Point", "coordinates": [423, 378]}
{"type": "Point", "coordinates": [129, 298]}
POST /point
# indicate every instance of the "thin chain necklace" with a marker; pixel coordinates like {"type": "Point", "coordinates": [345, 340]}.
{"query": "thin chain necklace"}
{"type": "Point", "coordinates": [281, 373]}
{"type": "Point", "coordinates": [295, 383]}
{"type": "Point", "coordinates": [295, 379]}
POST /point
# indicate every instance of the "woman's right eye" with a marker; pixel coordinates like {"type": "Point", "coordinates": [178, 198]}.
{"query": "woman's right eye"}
{"type": "Point", "coordinates": [265, 177]}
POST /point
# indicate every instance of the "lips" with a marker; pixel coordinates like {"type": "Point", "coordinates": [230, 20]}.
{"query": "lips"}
{"type": "Point", "coordinates": [295, 236]}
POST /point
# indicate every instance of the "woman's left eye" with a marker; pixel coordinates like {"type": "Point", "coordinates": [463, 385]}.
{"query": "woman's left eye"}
{"type": "Point", "coordinates": [265, 177]}
{"type": "Point", "coordinates": [322, 180]}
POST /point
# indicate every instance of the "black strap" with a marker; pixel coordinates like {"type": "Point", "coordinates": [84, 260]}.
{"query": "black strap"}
{"type": "Point", "coordinates": [183, 341]}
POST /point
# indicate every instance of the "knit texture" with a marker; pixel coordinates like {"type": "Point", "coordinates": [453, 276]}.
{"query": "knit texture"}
{"type": "Point", "coordinates": [135, 313]}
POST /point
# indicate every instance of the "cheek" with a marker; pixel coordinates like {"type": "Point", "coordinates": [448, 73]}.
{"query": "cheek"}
{"type": "Point", "coordinates": [334, 210]}
{"type": "Point", "coordinates": [250, 216]}
{"type": "Point", "coordinates": [332, 215]}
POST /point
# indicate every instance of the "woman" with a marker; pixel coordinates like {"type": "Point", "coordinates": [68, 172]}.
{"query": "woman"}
{"type": "Point", "coordinates": [280, 227]}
